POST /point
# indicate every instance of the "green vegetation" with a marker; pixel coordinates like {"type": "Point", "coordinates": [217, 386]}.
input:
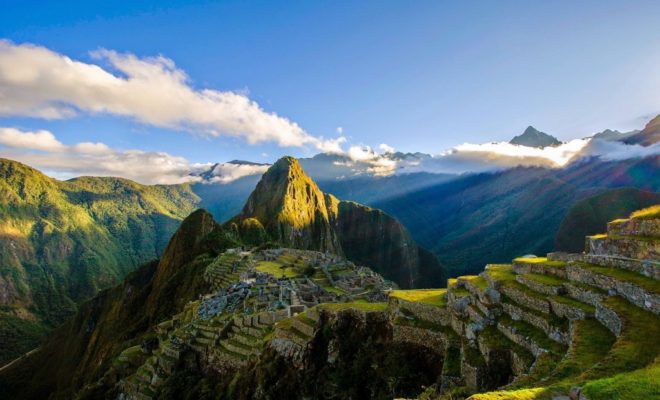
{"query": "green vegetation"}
{"type": "Point", "coordinates": [540, 260]}
{"type": "Point", "coordinates": [543, 279]}
{"type": "Point", "coordinates": [534, 333]}
{"type": "Point", "coordinates": [647, 213]}
{"type": "Point", "coordinates": [590, 216]}
{"type": "Point", "coordinates": [476, 280]}
{"type": "Point", "coordinates": [436, 297]}
{"type": "Point", "coordinates": [640, 384]}
{"type": "Point", "coordinates": [637, 346]}
{"type": "Point", "coordinates": [649, 284]}
{"type": "Point", "coordinates": [63, 241]}
{"type": "Point", "coordinates": [277, 269]}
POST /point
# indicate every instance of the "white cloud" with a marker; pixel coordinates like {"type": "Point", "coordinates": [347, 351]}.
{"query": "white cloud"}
{"type": "Point", "coordinates": [39, 140]}
{"type": "Point", "coordinates": [42, 150]}
{"type": "Point", "coordinates": [386, 148]}
{"type": "Point", "coordinates": [612, 151]}
{"type": "Point", "coordinates": [229, 172]}
{"type": "Point", "coordinates": [38, 82]}
{"type": "Point", "coordinates": [340, 130]}
{"type": "Point", "coordinates": [497, 156]}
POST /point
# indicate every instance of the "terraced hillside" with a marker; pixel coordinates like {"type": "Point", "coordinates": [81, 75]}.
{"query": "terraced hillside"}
{"type": "Point", "coordinates": [566, 326]}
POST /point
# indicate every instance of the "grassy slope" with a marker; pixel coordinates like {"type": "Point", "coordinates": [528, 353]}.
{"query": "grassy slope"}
{"type": "Point", "coordinates": [61, 242]}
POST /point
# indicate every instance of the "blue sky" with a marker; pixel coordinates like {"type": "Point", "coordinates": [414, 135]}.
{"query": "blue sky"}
{"type": "Point", "coordinates": [419, 76]}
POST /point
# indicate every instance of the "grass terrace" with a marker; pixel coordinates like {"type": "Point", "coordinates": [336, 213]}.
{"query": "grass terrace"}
{"type": "Point", "coordinates": [647, 213]}
{"type": "Point", "coordinates": [553, 319]}
{"type": "Point", "coordinates": [475, 280]}
{"type": "Point", "coordinates": [536, 334]}
{"type": "Point", "coordinates": [548, 280]}
{"type": "Point", "coordinates": [436, 297]}
{"type": "Point", "coordinates": [640, 384]}
{"type": "Point", "coordinates": [638, 345]}
{"type": "Point", "coordinates": [649, 284]}
{"type": "Point", "coordinates": [540, 260]}
{"type": "Point", "coordinates": [277, 269]}
{"type": "Point", "coordinates": [357, 305]}
{"type": "Point", "coordinates": [591, 343]}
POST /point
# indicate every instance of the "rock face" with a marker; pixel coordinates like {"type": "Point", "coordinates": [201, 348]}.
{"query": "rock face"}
{"type": "Point", "coordinates": [534, 138]}
{"type": "Point", "coordinates": [294, 212]}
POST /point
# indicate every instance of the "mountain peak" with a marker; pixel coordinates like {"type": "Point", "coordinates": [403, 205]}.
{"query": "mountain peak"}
{"type": "Point", "coordinates": [532, 137]}
{"type": "Point", "coordinates": [292, 208]}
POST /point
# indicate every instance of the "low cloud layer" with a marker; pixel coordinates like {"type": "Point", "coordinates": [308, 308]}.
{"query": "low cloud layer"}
{"type": "Point", "coordinates": [471, 158]}
{"type": "Point", "coordinates": [229, 172]}
{"type": "Point", "coordinates": [38, 82]}
{"type": "Point", "coordinates": [42, 150]}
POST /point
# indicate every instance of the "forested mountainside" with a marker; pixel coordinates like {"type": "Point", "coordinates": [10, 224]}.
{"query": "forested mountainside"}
{"type": "Point", "coordinates": [63, 241]}
{"type": "Point", "coordinates": [493, 217]}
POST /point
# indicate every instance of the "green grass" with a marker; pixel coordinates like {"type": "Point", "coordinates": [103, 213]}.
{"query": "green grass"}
{"type": "Point", "coordinates": [367, 307]}
{"type": "Point", "coordinates": [334, 290]}
{"type": "Point", "coordinates": [540, 260]}
{"type": "Point", "coordinates": [591, 343]}
{"type": "Point", "coordinates": [534, 333]}
{"type": "Point", "coordinates": [543, 279]}
{"type": "Point", "coordinates": [640, 384]}
{"type": "Point", "coordinates": [649, 284]}
{"type": "Point", "coordinates": [587, 308]}
{"type": "Point", "coordinates": [647, 213]}
{"type": "Point", "coordinates": [460, 292]}
{"type": "Point", "coordinates": [475, 280]}
{"type": "Point", "coordinates": [436, 297]}
{"type": "Point", "coordinates": [277, 269]}
{"type": "Point", "coordinates": [553, 319]}
{"type": "Point", "coordinates": [636, 347]}
{"type": "Point", "coordinates": [522, 394]}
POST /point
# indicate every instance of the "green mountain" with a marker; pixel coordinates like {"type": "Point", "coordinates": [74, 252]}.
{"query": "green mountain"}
{"type": "Point", "coordinates": [494, 217]}
{"type": "Point", "coordinates": [206, 321]}
{"type": "Point", "coordinates": [61, 242]}
{"type": "Point", "coordinates": [590, 216]}
{"type": "Point", "coordinates": [291, 210]}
